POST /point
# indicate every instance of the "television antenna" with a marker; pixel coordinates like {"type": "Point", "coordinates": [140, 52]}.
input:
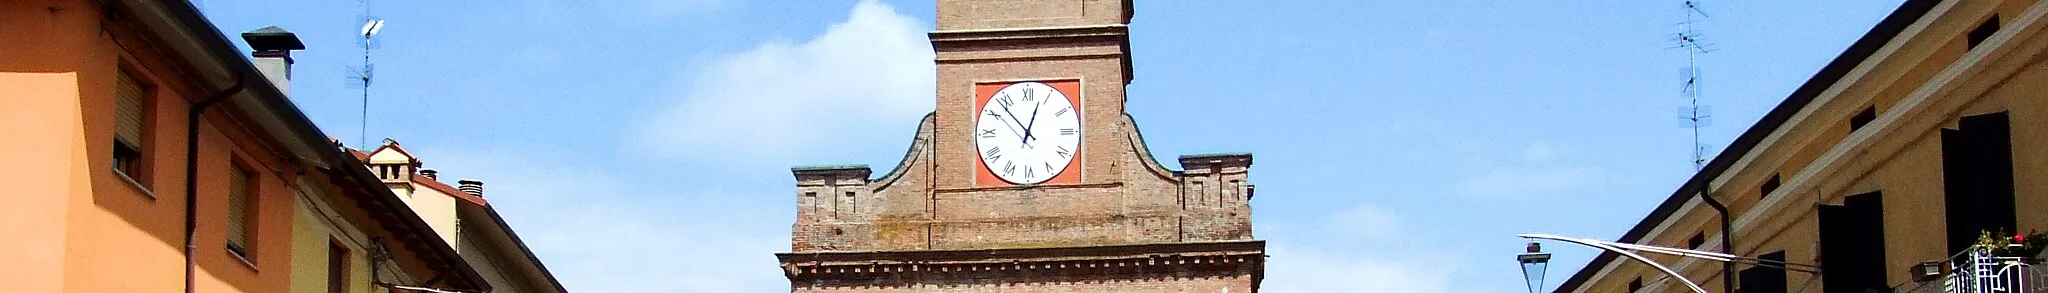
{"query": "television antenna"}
{"type": "Point", "coordinates": [1694, 115]}
{"type": "Point", "coordinates": [366, 38]}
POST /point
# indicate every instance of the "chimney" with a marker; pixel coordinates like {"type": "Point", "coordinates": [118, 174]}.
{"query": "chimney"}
{"type": "Point", "coordinates": [471, 186]}
{"type": "Point", "coordinates": [431, 174]}
{"type": "Point", "coordinates": [274, 47]}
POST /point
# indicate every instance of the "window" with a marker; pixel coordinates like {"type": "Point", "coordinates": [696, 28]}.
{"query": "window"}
{"type": "Point", "coordinates": [1236, 193]}
{"type": "Point", "coordinates": [131, 119]}
{"type": "Point", "coordinates": [1697, 240]}
{"type": "Point", "coordinates": [1762, 279]}
{"type": "Point", "coordinates": [852, 203]}
{"type": "Point", "coordinates": [241, 219]}
{"type": "Point", "coordinates": [1862, 118]}
{"type": "Point", "coordinates": [1636, 285]}
{"type": "Point", "coordinates": [1983, 31]}
{"type": "Point", "coordinates": [1977, 178]}
{"type": "Point", "coordinates": [1771, 185]}
{"type": "Point", "coordinates": [1852, 244]}
{"type": "Point", "coordinates": [337, 268]}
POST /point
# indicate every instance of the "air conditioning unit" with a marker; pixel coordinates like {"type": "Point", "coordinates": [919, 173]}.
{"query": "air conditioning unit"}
{"type": "Point", "coordinates": [1926, 271]}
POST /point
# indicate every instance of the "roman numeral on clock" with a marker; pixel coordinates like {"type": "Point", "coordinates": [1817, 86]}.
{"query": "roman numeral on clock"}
{"type": "Point", "coordinates": [993, 153]}
{"type": "Point", "coordinates": [1062, 112]}
{"type": "Point", "coordinates": [988, 133]}
{"type": "Point", "coordinates": [1027, 94]}
{"type": "Point", "coordinates": [1027, 171]}
{"type": "Point", "coordinates": [1010, 167]}
{"type": "Point", "coordinates": [1062, 151]}
{"type": "Point", "coordinates": [1004, 101]}
{"type": "Point", "coordinates": [1068, 131]}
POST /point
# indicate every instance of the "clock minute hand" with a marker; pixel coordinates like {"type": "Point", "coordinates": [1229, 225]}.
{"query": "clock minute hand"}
{"type": "Point", "coordinates": [1006, 126]}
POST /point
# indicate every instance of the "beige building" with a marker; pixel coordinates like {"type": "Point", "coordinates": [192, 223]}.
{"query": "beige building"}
{"type": "Point", "coordinates": [1923, 134]}
{"type": "Point", "coordinates": [461, 216]}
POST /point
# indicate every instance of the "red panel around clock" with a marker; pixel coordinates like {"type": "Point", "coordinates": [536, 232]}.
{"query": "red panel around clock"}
{"type": "Point", "coordinates": [984, 93]}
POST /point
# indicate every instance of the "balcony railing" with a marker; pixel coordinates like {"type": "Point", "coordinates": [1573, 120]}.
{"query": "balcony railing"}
{"type": "Point", "coordinates": [1977, 270]}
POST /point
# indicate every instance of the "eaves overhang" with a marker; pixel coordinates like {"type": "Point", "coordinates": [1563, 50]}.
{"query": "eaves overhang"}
{"type": "Point", "coordinates": [210, 57]}
{"type": "Point", "coordinates": [529, 263]}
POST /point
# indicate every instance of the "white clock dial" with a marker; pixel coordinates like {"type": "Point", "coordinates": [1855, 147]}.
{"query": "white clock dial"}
{"type": "Point", "coordinates": [1027, 132]}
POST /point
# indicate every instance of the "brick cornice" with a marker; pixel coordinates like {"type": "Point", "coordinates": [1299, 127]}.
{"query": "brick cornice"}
{"type": "Point", "coordinates": [1057, 43]}
{"type": "Point", "coordinates": [1027, 187]}
{"type": "Point", "coordinates": [943, 38]}
{"type": "Point", "coordinates": [1073, 263]}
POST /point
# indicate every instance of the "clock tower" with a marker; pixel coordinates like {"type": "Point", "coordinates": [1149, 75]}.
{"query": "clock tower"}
{"type": "Point", "coordinates": [1029, 176]}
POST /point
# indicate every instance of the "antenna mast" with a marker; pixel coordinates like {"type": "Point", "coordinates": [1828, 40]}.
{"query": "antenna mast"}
{"type": "Point", "coordinates": [366, 39]}
{"type": "Point", "coordinates": [1694, 115]}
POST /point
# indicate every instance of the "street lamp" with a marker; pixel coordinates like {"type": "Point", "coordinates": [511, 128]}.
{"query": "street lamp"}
{"type": "Point", "coordinates": [1533, 264]}
{"type": "Point", "coordinates": [1539, 260]}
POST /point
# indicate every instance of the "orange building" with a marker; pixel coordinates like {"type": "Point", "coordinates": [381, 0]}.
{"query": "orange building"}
{"type": "Point", "coordinates": [146, 154]}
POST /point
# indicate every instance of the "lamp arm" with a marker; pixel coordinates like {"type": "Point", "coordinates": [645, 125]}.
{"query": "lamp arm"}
{"type": "Point", "coordinates": [1603, 246]}
{"type": "Point", "coordinates": [1708, 255]}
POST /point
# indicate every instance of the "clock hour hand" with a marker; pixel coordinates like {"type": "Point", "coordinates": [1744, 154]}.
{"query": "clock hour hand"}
{"type": "Point", "coordinates": [1034, 120]}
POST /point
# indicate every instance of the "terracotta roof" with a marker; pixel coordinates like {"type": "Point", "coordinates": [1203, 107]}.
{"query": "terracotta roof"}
{"type": "Point", "coordinates": [360, 156]}
{"type": "Point", "coordinates": [429, 182]}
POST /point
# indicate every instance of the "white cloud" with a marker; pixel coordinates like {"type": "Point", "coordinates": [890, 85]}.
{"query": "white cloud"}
{"type": "Point", "coordinates": [1367, 221]}
{"type": "Point", "coordinates": [1540, 172]}
{"type": "Point", "coordinates": [873, 71]}
{"type": "Point", "coordinates": [636, 11]}
{"type": "Point", "coordinates": [631, 226]}
{"type": "Point", "coordinates": [600, 232]}
{"type": "Point", "coordinates": [1539, 151]}
{"type": "Point", "coordinates": [1529, 181]}
{"type": "Point", "coordinates": [1345, 253]}
{"type": "Point", "coordinates": [1292, 269]}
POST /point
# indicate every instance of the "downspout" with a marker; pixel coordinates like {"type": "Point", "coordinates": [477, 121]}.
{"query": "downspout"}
{"type": "Point", "coordinates": [1727, 237]}
{"type": "Point", "coordinates": [192, 172]}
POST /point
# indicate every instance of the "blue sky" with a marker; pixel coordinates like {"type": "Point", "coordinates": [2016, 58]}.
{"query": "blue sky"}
{"type": "Point", "coordinates": [643, 145]}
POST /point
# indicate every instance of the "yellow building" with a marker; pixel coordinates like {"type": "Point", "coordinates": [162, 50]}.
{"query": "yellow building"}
{"type": "Point", "coordinates": [462, 217]}
{"type": "Point", "coordinates": [147, 154]}
{"type": "Point", "coordinates": [1922, 135]}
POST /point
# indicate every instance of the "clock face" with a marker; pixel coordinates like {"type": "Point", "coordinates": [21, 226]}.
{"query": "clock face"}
{"type": "Point", "coordinates": [1027, 132]}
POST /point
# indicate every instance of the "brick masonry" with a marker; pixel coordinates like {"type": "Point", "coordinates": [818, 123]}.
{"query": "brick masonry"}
{"type": "Point", "coordinates": [1108, 232]}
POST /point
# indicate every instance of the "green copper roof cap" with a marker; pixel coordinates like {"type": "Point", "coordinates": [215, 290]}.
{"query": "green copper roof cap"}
{"type": "Point", "coordinates": [1213, 155]}
{"type": "Point", "coordinates": [814, 168]}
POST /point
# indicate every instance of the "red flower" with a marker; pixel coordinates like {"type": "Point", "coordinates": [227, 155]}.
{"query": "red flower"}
{"type": "Point", "coordinates": [2019, 238]}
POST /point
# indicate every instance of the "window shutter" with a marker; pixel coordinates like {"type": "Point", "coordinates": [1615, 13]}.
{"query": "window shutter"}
{"type": "Point", "coordinates": [337, 268]}
{"type": "Point", "coordinates": [238, 210]}
{"type": "Point", "coordinates": [128, 110]}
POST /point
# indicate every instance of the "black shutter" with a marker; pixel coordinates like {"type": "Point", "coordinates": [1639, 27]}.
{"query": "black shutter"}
{"type": "Point", "coordinates": [1977, 178]}
{"type": "Point", "coordinates": [1761, 279]}
{"type": "Point", "coordinates": [1852, 256]}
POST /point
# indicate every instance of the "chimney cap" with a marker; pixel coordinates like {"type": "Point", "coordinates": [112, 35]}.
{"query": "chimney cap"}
{"type": "Point", "coordinates": [471, 186]}
{"type": "Point", "coordinates": [273, 38]}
